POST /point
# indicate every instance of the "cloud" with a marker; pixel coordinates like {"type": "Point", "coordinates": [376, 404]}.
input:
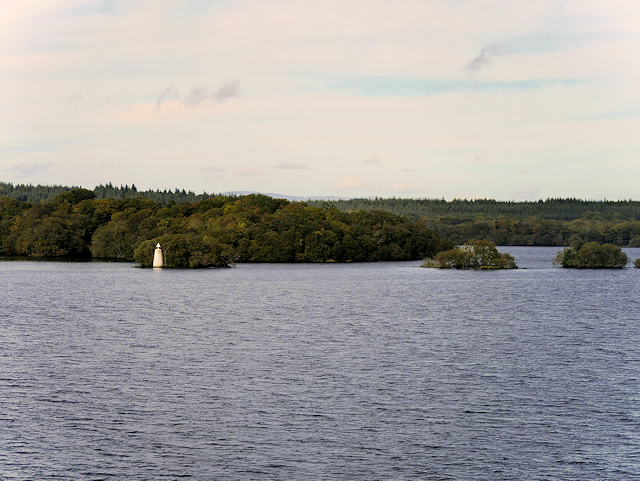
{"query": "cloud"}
{"type": "Point", "coordinates": [524, 172]}
{"type": "Point", "coordinates": [199, 95]}
{"type": "Point", "coordinates": [199, 6]}
{"type": "Point", "coordinates": [169, 93]}
{"type": "Point", "coordinates": [371, 161]}
{"type": "Point", "coordinates": [27, 146]}
{"type": "Point", "coordinates": [392, 86]}
{"type": "Point", "coordinates": [105, 7]}
{"type": "Point", "coordinates": [350, 183]}
{"type": "Point", "coordinates": [213, 169]}
{"type": "Point", "coordinates": [91, 98]}
{"type": "Point", "coordinates": [526, 193]}
{"type": "Point", "coordinates": [494, 49]}
{"type": "Point", "coordinates": [196, 97]}
{"type": "Point", "coordinates": [227, 91]}
{"type": "Point", "coordinates": [247, 171]}
{"type": "Point", "coordinates": [30, 169]}
{"type": "Point", "coordinates": [286, 165]}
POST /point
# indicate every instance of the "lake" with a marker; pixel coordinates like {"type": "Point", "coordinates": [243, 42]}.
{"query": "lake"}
{"type": "Point", "coordinates": [333, 371]}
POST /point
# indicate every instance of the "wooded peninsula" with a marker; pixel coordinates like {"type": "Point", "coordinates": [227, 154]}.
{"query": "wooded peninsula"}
{"type": "Point", "coordinates": [218, 231]}
{"type": "Point", "coordinates": [122, 222]}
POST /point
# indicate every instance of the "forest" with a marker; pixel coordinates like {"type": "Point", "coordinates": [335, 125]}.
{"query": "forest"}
{"type": "Point", "coordinates": [557, 209]}
{"type": "Point", "coordinates": [534, 231]}
{"type": "Point", "coordinates": [218, 231]}
{"type": "Point", "coordinates": [550, 222]}
{"type": "Point", "coordinates": [39, 193]}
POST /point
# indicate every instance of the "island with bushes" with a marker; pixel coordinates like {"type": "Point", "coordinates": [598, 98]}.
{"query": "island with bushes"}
{"type": "Point", "coordinates": [477, 254]}
{"type": "Point", "coordinates": [592, 255]}
{"type": "Point", "coordinates": [216, 231]}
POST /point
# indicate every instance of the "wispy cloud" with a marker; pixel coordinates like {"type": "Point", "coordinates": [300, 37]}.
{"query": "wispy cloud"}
{"type": "Point", "coordinates": [198, 95]}
{"type": "Point", "coordinates": [199, 6]}
{"type": "Point", "coordinates": [495, 49]}
{"type": "Point", "coordinates": [30, 169]}
{"type": "Point", "coordinates": [227, 91]}
{"type": "Point", "coordinates": [286, 165]}
{"type": "Point", "coordinates": [169, 94]}
{"type": "Point", "coordinates": [375, 160]}
{"type": "Point", "coordinates": [27, 146]}
{"type": "Point", "coordinates": [389, 86]}
{"type": "Point", "coordinates": [104, 7]}
{"type": "Point", "coordinates": [90, 98]}
{"type": "Point", "coordinates": [247, 171]}
{"type": "Point", "coordinates": [537, 43]}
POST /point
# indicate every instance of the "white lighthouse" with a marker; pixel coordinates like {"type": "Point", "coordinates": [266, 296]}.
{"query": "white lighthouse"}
{"type": "Point", "coordinates": [157, 257]}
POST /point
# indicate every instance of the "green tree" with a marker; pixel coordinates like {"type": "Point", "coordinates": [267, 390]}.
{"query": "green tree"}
{"type": "Point", "coordinates": [183, 250]}
{"type": "Point", "coordinates": [591, 256]}
{"type": "Point", "coordinates": [478, 254]}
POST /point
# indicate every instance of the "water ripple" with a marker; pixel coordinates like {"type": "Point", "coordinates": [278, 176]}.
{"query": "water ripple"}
{"type": "Point", "coordinates": [361, 371]}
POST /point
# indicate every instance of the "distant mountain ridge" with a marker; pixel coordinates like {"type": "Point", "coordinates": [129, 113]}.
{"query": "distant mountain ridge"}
{"type": "Point", "coordinates": [295, 198]}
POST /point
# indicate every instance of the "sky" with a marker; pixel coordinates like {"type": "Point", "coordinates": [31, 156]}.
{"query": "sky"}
{"type": "Point", "coordinates": [503, 99]}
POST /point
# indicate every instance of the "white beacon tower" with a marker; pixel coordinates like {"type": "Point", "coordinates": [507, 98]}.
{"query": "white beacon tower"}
{"type": "Point", "coordinates": [157, 257]}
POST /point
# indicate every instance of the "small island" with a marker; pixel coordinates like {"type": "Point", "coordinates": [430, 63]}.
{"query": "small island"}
{"type": "Point", "coordinates": [591, 255]}
{"type": "Point", "coordinates": [478, 254]}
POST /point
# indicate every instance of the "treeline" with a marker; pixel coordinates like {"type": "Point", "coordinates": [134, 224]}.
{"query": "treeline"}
{"type": "Point", "coordinates": [217, 231]}
{"type": "Point", "coordinates": [537, 232]}
{"type": "Point", "coordinates": [39, 193]}
{"type": "Point", "coordinates": [556, 222]}
{"type": "Point", "coordinates": [558, 209]}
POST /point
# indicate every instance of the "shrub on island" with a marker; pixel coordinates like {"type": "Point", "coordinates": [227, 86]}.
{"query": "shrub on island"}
{"type": "Point", "coordinates": [637, 263]}
{"type": "Point", "coordinates": [591, 256]}
{"type": "Point", "coordinates": [478, 254]}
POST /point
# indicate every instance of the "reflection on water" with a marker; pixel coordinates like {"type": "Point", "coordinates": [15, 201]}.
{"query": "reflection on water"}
{"type": "Point", "coordinates": [358, 371]}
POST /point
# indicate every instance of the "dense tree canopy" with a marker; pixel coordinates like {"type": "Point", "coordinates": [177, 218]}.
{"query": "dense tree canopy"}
{"type": "Point", "coordinates": [550, 222]}
{"type": "Point", "coordinates": [538, 232]}
{"type": "Point", "coordinates": [558, 209]}
{"type": "Point", "coordinates": [213, 232]}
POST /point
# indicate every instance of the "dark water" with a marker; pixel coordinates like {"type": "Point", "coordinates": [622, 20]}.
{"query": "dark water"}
{"type": "Point", "coordinates": [361, 371]}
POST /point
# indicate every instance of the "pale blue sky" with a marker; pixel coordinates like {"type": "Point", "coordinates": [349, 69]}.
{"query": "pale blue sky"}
{"type": "Point", "coordinates": [500, 99]}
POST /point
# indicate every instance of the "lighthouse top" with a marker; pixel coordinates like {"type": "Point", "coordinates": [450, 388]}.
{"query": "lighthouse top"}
{"type": "Point", "coordinates": [158, 246]}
